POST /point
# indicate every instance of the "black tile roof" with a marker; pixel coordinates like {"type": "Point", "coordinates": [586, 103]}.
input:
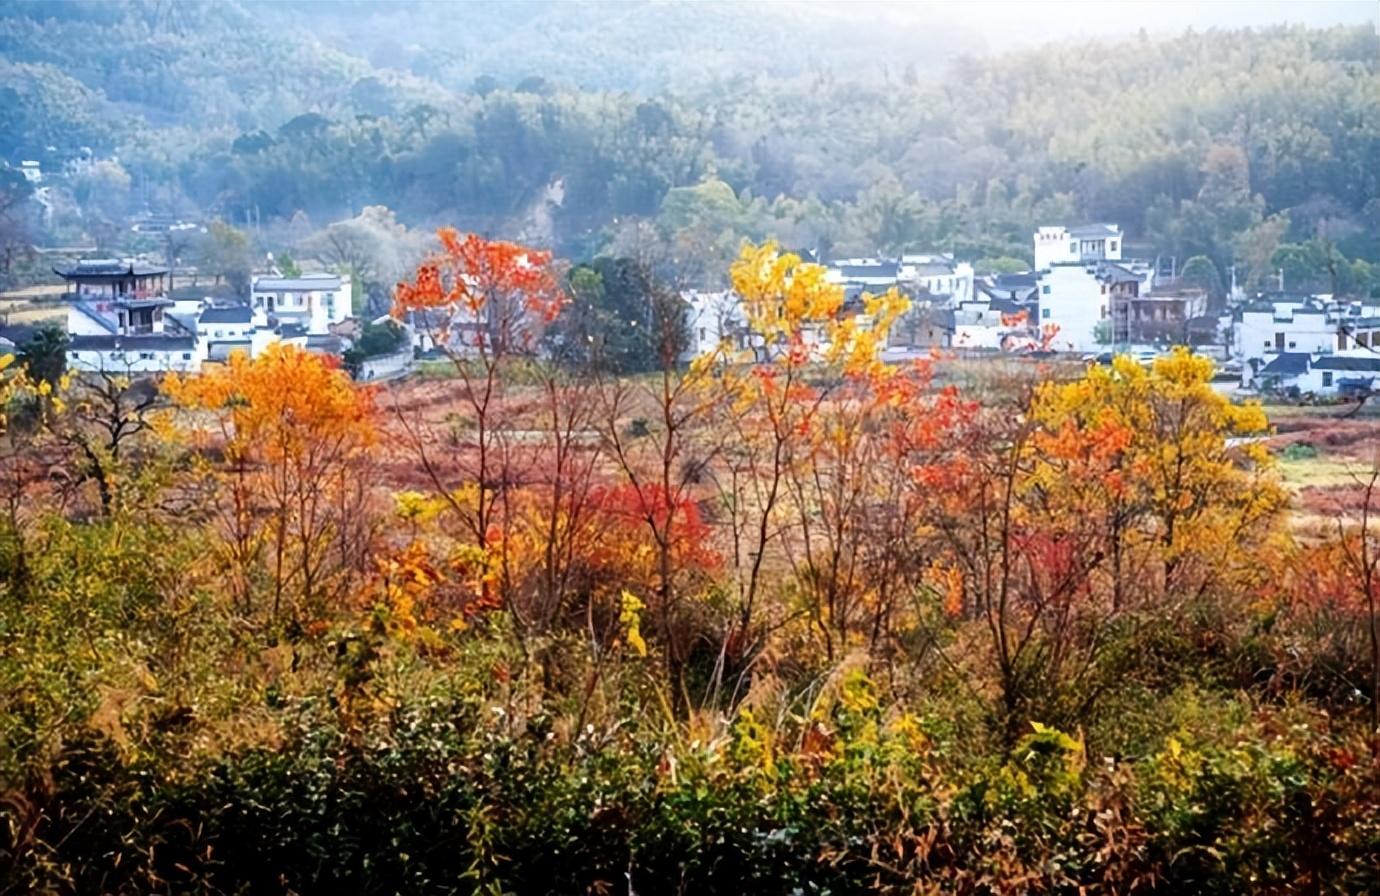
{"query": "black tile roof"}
{"type": "Point", "coordinates": [886, 269]}
{"type": "Point", "coordinates": [226, 314]}
{"type": "Point", "coordinates": [1023, 280]}
{"type": "Point", "coordinates": [204, 291]}
{"type": "Point", "coordinates": [933, 269]}
{"type": "Point", "coordinates": [305, 283]}
{"type": "Point", "coordinates": [1348, 362]}
{"type": "Point", "coordinates": [1093, 231]}
{"type": "Point", "coordinates": [108, 268]}
{"type": "Point", "coordinates": [1004, 294]}
{"type": "Point", "coordinates": [181, 322]}
{"type": "Point", "coordinates": [1006, 306]}
{"type": "Point", "coordinates": [1116, 274]}
{"type": "Point", "coordinates": [18, 334]}
{"type": "Point", "coordinates": [138, 302]}
{"type": "Point", "coordinates": [1288, 364]}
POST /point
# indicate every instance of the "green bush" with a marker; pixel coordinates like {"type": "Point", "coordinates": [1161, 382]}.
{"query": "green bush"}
{"type": "Point", "coordinates": [1299, 451]}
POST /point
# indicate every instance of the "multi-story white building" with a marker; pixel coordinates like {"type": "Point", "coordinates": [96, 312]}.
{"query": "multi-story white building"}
{"type": "Point", "coordinates": [1089, 242]}
{"type": "Point", "coordinates": [1267, 329]}
{"type": "Point", "coordinates": [118, 319]}
{"type": "Point", "coordinates": [314, 302]}
{"type": "Point", "coordinates": [1074, 245]}
{"type": "Point", "coordinates": [1076, 299]}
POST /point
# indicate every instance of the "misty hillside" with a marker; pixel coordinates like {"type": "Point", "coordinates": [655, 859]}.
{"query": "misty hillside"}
{"type": "Point", "coordinates": [711, 123]}
{"type": "Point", "coordinates": [644, 46]}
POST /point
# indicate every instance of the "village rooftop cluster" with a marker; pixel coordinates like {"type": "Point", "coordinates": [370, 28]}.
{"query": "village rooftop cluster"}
{"type": "Point", "coordinates": [1085, 297]}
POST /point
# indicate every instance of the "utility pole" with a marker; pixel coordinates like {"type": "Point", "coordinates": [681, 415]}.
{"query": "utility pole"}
{"type": "Point", "coordinates": [1280, 273]}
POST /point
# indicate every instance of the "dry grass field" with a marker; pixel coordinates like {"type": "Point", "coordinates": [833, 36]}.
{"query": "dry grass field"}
{"type": "Point", "coordinates": [34, 305]}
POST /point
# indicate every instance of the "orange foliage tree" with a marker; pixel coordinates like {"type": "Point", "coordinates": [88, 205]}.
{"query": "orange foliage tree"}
{"type": "Point", "coordinates": [482, 302]}
{"type": "Point", "coordinates": [295, 438]}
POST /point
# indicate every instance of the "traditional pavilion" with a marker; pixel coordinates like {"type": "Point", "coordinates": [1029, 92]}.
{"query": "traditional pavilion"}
{"type": "Point", "coordinates": [132, 292]}
{"type": "Point", "coordinates": [95, 279]}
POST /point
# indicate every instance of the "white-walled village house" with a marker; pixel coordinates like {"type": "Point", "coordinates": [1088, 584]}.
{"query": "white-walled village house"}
{"type": "Point", "coordinates": [122, 318]}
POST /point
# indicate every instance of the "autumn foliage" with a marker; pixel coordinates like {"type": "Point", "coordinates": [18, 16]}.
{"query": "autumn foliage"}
{"type": "Point", "coordinates": [788, 617]}
{"type": "Point", "coordinates": [293, 436]}
{"type": "Point", "coordinates": [484, 295]}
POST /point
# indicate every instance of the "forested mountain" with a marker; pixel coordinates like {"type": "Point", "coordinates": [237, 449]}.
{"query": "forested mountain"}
{"type": "Point", "coordinates": [609, 45]}
{"type": "Point", "coordinates": [713, 122]}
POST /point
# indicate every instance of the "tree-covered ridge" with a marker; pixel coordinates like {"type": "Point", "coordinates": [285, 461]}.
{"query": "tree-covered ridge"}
{"type": "Point", "coordinates": [646, 47]}
{"type": "Point", "coordinates": [1194, 144]}
{"type": "Point", "coordinates": [180, 67]}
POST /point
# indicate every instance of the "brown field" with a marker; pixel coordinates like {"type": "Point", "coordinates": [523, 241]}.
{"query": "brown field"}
{"type": "Point", "coordinates": [28, 306]}
{"type": "Point", "coordinates": [1330, 479]}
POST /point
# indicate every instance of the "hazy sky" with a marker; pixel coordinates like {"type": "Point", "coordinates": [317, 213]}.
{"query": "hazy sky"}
{"type": "Point", "coordinates": [1037, 21]}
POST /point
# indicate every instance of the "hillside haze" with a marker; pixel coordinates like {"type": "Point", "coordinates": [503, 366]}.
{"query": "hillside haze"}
{"type": "Point", "coordinates": [843, 128]}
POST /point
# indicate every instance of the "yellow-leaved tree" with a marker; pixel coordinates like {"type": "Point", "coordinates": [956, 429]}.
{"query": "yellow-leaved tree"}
{"type": "Point", "coordinates": [1174, 468]}
{"type": "Point", "coordinates": [801, 398]}
{"type": "Point", "coordinates": [1096, 506]}
{"type": "Point", "coordinates": [292, 439]}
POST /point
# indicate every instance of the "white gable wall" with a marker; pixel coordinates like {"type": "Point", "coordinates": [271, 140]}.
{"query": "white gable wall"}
{"type": "Point", "coordinates": [182, 361]}
{"type": "Point", "coordinates": [1259, 333]}
{"type": "Point", "coordinates": [1070, 298]}
{"type": "Point", "coordinates": [79, 323]}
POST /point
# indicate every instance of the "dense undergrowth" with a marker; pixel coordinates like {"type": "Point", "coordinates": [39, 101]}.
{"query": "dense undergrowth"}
{"type": "Point", "coordinates": [462, 779]}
